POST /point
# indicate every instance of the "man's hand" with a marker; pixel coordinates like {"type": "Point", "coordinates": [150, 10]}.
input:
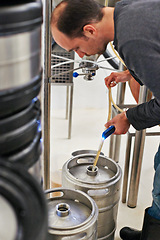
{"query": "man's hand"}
{"type": "Point", "coordinates": [116, 77]}
{"type": "Point", "coordinates": [120, 122]}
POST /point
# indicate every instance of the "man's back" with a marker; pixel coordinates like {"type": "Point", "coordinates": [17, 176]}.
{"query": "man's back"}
{"type": "Point", "coordinates": [137, 39]}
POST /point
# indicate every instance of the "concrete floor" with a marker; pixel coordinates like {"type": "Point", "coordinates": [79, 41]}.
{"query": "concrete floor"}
{"type": "Point", "coordinates": [87, 126]}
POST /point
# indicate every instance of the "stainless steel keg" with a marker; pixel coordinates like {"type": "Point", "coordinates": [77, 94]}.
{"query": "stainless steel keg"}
{"type": "Point", "coordinates": [102, 184]}
{"type": "Point", "coordinates": [23, 206]}
{"type": "Point", "coordinates": [20, 43]}
{"type": "Point", "coordinates": [72, 215]}
{"type": "Point", "coordinates": [29, 157]}
{"type": "Point", "coordinates": [14, 131]}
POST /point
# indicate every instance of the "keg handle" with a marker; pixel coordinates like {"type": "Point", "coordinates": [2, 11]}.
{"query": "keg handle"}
{"type": "Point", "coordinates": [98, 192]}
{"type": "Point", "coordinates": [54, 190]}
{"type": "Point", "coordinates": [84, 160]}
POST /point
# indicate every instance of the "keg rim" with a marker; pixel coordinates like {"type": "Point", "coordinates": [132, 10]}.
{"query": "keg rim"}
{"type": "Point", "coordinates": [93, 215]}
{"type": "Point", "coordinates": [117, 175]}
{"type": "Point", "coordinates": [85, 151]}
{"type": "Point", "coordinates": [11, 99]}
{"type": "Point", "coordinates": [20, 18]}
{"type": "Point", "coordinates": [21, 189]}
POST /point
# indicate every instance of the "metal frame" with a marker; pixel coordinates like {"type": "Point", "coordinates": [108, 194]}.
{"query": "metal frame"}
{"type": "Point", "coordinates": [46, 90]}
{"type": "Point", "coordinates": [136, 168]}
{"type": "Point", "coordinates": [115, 140]}
{"type": "Point", "coordinates": [63, 79]}
{"type": "Point", "coordinates": [46, 94]}
{"type": "Point", "coordinates": [138, 150]}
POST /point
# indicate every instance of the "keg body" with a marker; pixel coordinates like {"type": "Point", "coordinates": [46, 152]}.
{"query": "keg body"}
{"type": "Point", "coordinates": [23, 205]}
{"type": "Point", "coordinates": [20, 139]}
{"type": "Point", "coordinates": [20, 44]}
{"type": "Point", "coordinates": [19, 63]}
{"type": "Point", "coordinates": [72, 215]}
{"type": "Point", "coordinates": [103, 186]}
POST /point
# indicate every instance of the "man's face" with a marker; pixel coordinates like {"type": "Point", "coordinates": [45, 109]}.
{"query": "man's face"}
{"type": "Point", "coordinates": [81, 45]}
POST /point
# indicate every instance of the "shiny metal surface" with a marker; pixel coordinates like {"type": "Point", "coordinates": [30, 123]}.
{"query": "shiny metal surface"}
{"type": "Point", "coordinates": [20, 59]}
{"type": "Point", "coordinates": [84, 151]}
{"type": "Point", "coordinates": [46, 93]}
{"type": "Point", "coordinates": [88, 68]}
{"type": "Point", "coordinates": [115, 140]}
{"type": "Point", "coordinates": [70, 111]}
{"type": "Point", "coordinates": [126, 167]}
{"type": "Point", "coordinates": [8, 220]}
{"type": "Point", "coordinates": [130, 136]}
{"type": "Point", "coordinates": [137, 156]}
{"type": "Point", "coordinates": [72, 215]}
{"type": "Point", "coordinates": [62, 76]}
{"type": "Point", "coordinates": [103, 187]}
{"type": "Point", "coordinates": [36, 170]}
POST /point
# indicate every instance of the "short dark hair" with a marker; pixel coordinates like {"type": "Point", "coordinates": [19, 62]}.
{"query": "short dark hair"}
{"type": "Point", "coordinates": [75, 15]}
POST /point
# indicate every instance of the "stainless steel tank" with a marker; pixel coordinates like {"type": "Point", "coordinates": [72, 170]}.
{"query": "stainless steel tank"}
{"type": "Point", "coordinates": [72, 215]}
{"type": "Point", "coordinates": [103, 185]}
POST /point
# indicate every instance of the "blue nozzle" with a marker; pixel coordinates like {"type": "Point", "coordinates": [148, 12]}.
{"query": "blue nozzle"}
{"type": "Point", "coordinates": [75, 74]}
{"type": "Point", "coordinates": [108, 132]}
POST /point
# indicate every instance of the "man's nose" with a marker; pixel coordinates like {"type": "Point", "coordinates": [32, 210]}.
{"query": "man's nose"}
{"type": "Point", "coordinates": [80, 54]}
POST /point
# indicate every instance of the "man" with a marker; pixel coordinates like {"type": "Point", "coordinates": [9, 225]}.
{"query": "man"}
{"type": "Point", "coordinates": [86, 27]}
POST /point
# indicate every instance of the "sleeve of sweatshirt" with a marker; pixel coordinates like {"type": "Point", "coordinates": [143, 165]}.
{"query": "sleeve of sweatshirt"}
{"type": "Point", "coordinates": [145, 115]}
{"type": "Point", "coordinates": [144, 61]}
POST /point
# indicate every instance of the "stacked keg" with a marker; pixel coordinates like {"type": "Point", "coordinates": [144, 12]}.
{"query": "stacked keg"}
{"type": "Point", "coordinates": [22, 199]}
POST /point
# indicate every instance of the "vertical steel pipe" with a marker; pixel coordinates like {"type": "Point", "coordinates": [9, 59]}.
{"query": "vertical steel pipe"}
{"type": "Point", "coordinates": [137, 157]}
{"type": "Point", "coordinates": [67, 101]}
{"type": "Point", "coordinates": [115, 140]}
{"type": "Point", "coordinates": [70, 111]}
{"type": "Point", "coordinates": [126, 167]}
{"type": "Point", "coordinates": [46, 93]}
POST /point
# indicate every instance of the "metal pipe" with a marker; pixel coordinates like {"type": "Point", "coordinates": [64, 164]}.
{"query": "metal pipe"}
{"type": "Point", "coordinates": [121, 88]}
{"type": "Point", "coordinates": [46, 93]}
{"type": "Point", "coordinates": [126, 167]}
{"type": "Point", "coordinates": [67, 101]}
{"type": "Point", "coordinates": [111, 146]}
{"type": "Point", "coordinates": [137, 157]}
{"type": "Point", "coordinates": [114, 148]}
{"type": "Point", "coordinates": [120, 100]}
{"type": "Point", "coordinates": [70, 111]}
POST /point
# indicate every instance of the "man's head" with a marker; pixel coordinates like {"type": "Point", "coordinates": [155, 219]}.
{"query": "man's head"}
{"type": "Point", "coordinates": [75, 26]}
{"type": "Point", "coordinates": [70, 16]}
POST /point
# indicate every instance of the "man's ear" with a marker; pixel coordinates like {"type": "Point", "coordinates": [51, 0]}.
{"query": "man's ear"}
{"type": "Point", "coordinates": [90, 31]}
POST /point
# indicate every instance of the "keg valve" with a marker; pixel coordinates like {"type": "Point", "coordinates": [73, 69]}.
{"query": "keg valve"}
{"type": "Point", "coordinates": [105, 134]}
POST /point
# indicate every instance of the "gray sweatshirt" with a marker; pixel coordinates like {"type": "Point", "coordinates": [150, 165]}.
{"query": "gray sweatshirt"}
{"type": "Point", "coordinates": [137, 40]}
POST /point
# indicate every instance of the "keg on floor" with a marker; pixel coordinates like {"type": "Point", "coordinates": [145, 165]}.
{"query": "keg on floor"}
{"type": "Point", "coordinates": [72, 215]}
{"type": "Point", "coordinates": [102, 184]}
{"type": "Point", "coordinates": [23, 206]}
